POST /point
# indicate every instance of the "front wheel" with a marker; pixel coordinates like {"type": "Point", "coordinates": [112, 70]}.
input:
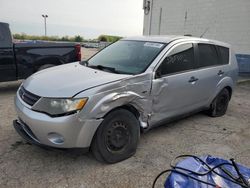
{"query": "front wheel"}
{"type": "Point", "coordinates": [117, 137]}
{"type": "Point", "coordinates": [220, 103]}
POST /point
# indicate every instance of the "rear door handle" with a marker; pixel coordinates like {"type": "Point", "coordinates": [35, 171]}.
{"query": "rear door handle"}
{"type": "Point", "coordinates": [220, 72]}
{"type": "Point", "coordinates": [193, 79]}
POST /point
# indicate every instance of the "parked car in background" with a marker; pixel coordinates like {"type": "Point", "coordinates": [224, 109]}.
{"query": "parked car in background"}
{"type": "Point", "coordinates": [130, 86]}
{"type": "Point", "coordinates": [20, 60]}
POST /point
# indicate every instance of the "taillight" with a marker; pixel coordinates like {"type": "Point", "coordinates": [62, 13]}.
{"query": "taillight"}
{"type": "Point", "coordinates": [78, 52]}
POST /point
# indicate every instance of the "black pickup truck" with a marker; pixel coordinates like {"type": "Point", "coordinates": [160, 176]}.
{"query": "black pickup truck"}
{"type": "Point", "coordinates": [20, 60]}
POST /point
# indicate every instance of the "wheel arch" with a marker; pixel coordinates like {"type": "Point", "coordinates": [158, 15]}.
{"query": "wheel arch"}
{"type": "Point", "coordinates": [230, 90]}
{"type": "Point", "coordinates": [47, 60]}
{"type": "Point", "coordinates": [128, 107]}
{"type": "Point", "coordinates": [133, 110]}
{"type": "Point", "coordinates": [227, 83]}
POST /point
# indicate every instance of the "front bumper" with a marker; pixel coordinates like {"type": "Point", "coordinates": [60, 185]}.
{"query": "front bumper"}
{"type": "Point", "coordinates": [37, 128]}
{"type": "Point", "coordinates": [24, 131]}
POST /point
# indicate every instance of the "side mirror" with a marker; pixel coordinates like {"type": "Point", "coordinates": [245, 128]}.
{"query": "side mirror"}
{"type": "Point", "coordinates": [158, 74]}
{"type": "Point", "coordinates": [85, 63]}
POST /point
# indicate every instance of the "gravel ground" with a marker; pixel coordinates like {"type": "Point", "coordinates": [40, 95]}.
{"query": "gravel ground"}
{"type": "Point", "coordinates": [25, 165]}
{"type": "Point", "coordinates": [88, 52]}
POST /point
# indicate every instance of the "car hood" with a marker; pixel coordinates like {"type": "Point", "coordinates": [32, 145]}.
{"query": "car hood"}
{"type": "Point", "coordinates": [68, 80]}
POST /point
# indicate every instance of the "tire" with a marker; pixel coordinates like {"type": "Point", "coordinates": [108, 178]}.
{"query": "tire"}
{"type": "Point", "coordinates": [117, 137]}
{"type": "Point", "coordinates": [45, 66]}
{"type": "Point", "coordinates": [219, 105]}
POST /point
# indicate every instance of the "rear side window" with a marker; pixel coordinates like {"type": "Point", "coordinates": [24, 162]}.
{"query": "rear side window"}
{"type": "Point", "coordinates": [224, 54]}
{"type": "Point", "coordinates": [181, 58]}
{"type": "Point", "coordinates": [1, 35]}
{"type": "Point", "coordinates": [207, 55]}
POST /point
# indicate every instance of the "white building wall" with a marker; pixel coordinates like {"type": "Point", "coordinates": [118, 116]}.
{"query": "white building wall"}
{"type": "Point", "coordinates": [224, 20]}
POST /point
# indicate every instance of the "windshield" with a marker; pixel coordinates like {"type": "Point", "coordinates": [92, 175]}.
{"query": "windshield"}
{"type": "Point", "coordinates": [126, 57]}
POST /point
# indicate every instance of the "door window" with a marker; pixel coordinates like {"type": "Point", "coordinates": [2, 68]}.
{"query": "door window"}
{"type": "Point", "coordinates": [224, 54]}
{"type": "Point", "coordinates": [180, 59]}
{"type": "Point", "coordinates": [207, 55]}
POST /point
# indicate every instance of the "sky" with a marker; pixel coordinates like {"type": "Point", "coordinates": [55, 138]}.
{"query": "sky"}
{"type": "Point", "coordinates": [88, 18]}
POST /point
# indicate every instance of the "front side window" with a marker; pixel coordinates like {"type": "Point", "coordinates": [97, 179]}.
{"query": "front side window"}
{"type": "Point", "coordinates": [207, 55]}
{"type": "Point", "coordinates": [126, 57]}
{"type": "Point", "coordinates": [180, 59]}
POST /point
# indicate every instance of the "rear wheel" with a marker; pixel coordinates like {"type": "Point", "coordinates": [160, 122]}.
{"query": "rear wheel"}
{"type": "Point", "coordinates": [220, 103]}
{"type": "Point", "coordinates": [117, 137]}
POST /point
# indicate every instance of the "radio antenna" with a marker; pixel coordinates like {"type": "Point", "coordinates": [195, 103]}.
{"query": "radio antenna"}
{"type": "Point", "coordinates": [204, 32]}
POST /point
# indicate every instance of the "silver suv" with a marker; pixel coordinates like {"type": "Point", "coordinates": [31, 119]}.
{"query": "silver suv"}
{"type": "Point", "coordinates": [131, 86]}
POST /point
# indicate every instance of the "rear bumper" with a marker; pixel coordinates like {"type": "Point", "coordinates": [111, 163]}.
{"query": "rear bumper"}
{"type": "Point", "coordinates": [60, 132]}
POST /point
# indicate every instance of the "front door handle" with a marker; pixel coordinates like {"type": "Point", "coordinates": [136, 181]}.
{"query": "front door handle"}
{"type": "Point", "coordinates": [220, 72]}
{"type": "Point", "coordinates": [193, 79]}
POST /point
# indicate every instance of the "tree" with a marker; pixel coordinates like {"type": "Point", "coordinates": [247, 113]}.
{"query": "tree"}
{"type": "Point", "coordinates": [78, 38]}
{"type": "Point", "coordinates": [103, 38]}
{"type": "Point", "coordinates": [65, 38]}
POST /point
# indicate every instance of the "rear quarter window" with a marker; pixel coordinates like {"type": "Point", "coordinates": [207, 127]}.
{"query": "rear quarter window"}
{"type": "Point", "coordinates": [224, 54]}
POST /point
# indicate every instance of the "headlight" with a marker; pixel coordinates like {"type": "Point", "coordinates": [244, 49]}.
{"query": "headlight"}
{"type": "Point", "coordinates": [57, 107]}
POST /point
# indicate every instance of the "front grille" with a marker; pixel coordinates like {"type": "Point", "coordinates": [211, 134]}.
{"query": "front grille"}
{"type": "Point", "coordinates": [28, 97]}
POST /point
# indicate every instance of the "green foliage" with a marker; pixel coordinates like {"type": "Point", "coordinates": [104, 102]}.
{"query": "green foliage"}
{"type": "Point", "coordinates": [108, 38]}
{"type": "Point", "coordinates": [65, 38]}
{"type": "Point", "coordinates": [102, 38]}
{"type": "Point", "coordinates": [77, 38]}
{"type": "Point", "coordinates": [24, 36]}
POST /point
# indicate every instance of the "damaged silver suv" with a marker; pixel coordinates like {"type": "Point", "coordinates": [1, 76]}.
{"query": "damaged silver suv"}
{"type": "Point", "coordinates": [130, 86]}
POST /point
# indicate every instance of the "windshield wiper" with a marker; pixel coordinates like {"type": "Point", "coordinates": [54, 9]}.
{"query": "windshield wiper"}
{"type": "Point", "coordinates": [101, 67]}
